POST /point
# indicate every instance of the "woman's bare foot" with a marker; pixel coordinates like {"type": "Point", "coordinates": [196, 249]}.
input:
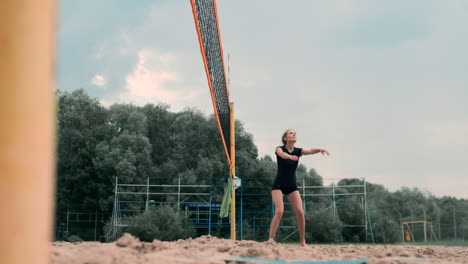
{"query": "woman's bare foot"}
{"type": "Point", "coordinates": [271, 241]}
{"type": "Point", "coordinates": [303, 243]}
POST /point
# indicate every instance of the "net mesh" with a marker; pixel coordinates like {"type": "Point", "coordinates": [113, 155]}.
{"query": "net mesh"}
{"type": "Point", "coordinates": [206, 21]}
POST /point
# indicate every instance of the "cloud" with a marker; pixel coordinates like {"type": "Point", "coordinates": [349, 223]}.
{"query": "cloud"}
{"type": "Point", "coordinates": [146, 64]}
{"type": "Point", "coordinates": [99, 81]}
{"type": "Point", "coordinates": [152, 80]}
{"type": "Point", "coordinates": [446, 133]}
{"type": "Point", "coordinates": [99, 53]}
{"type": "Point", "coordinates": [146, 81]}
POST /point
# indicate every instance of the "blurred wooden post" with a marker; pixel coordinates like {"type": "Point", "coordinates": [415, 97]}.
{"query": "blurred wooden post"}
{"type": "Point", "coordinates": [27, 129]}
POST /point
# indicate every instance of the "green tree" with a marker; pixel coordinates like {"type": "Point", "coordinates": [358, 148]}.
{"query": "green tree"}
{"type": "Point", "coordinates": [81, 126]}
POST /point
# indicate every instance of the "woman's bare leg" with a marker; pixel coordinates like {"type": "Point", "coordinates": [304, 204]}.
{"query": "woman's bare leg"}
{"type": "Point", "coordinates": [277, 197]}
{"type": "Point", "coordinates": [296, 201]}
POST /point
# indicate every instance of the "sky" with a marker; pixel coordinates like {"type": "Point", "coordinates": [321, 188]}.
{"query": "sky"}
{"type": "Point", "coordinates": [383, 85]}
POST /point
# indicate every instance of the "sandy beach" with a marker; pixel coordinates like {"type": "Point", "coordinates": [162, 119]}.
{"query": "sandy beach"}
{"type": "Point", "coordinates": [209, 249]}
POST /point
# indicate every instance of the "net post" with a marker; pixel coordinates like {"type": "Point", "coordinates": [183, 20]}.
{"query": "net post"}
{"type": "Point", "coordinates": [27, 129]}
{"type": "Point", "coordinates": [425, 231]}
{"type": "Point", "coordinates": [233, 172]}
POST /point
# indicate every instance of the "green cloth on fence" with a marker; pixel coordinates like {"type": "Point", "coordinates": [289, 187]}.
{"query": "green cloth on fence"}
{"type": "Point", "coordinates": [227, 199]}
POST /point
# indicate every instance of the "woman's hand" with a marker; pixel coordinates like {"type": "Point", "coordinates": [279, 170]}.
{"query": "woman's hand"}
{"type": "Point", "coordinates": [294, 157]}
{"type": "Point", "coordinates": [315, 151]}
{"type": "Point", "coordinates": [324, 151]}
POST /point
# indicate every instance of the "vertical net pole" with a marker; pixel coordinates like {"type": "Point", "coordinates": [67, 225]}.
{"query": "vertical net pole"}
{"type": "Point", "coordinates": [233, 173]}
{"type": "Point", "coordinates": [425, 232]}
{"type": "Point", "coordinates": [147, 195]}
{"type": "Point", "coordinates": [402, 234]}
{"type": "Point", "coordinates": [27, 129]}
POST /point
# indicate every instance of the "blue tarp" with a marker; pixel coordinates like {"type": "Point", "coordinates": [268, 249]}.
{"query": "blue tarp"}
{"type": "Point", "coordinates": [273, 261]}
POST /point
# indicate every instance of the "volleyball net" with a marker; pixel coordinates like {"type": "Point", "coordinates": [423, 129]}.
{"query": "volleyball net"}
{"type": "Point", "coordinates": [206, 18]}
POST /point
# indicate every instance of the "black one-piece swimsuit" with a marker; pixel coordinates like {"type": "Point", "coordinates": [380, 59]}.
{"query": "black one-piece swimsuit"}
{"type": "Point", "coordinates": [286, 176]}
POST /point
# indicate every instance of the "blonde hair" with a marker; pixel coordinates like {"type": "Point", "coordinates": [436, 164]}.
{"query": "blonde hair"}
{"type": "Point", "coordinates": [284, 135]}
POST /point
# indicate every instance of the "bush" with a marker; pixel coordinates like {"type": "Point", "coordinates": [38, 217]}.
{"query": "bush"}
{"type": "Point", "coordinates": [74, 239]}
{"type": "Point", "coordinates": [112, 232]}
{"type": "Point", "coordinates": [251, 233]}
{"type": "Point", "coordinates": [322, 227]}
{"type": "Point", "coordinates": [163, 223]}
{"type": "Point", "coordinates": [386, 229]}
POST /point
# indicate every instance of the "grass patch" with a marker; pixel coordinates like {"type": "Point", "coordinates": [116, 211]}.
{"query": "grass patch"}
{"type": "Point", "coordinates": [448, 243]}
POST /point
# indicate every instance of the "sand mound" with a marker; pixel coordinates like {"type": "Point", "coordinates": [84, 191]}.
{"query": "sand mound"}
{"type": "Point", "coordinates": [209, 249]}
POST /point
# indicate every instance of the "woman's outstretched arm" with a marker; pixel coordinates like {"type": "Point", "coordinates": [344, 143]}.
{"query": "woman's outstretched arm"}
{"type": "Point", "coordinates": [284, 155]}
{"type": "Point", "coordinates": [315, 151]}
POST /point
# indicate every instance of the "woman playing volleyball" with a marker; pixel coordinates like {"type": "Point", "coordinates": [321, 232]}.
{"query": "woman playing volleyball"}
{"type": "Point", "coordinates": [287, 157]}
